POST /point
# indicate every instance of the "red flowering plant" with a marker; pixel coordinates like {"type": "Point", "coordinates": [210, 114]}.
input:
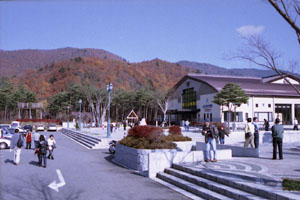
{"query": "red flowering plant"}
{"type": "Point", "coordinates": [175, 130]}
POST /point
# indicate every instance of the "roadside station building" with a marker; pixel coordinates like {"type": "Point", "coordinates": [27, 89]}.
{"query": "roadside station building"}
{"type": "Point", "coordinates": [269, 98]}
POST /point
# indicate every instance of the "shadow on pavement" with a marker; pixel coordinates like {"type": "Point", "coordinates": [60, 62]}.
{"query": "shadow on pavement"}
{"type": "Point", "coordinates": [109, 158]}
{"type": "Point", "coordinates": [9, 161]}
{"type": "Point", "coordinates": [35, 163]}
{"type": "Point", "coordinates": [37, 188]}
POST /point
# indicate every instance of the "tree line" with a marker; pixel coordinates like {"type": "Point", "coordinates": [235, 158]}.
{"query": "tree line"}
{"type": "Point", "coordinates": [146, 102]}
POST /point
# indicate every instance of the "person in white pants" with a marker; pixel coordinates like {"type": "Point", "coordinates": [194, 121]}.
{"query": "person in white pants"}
{"type": "Point", "coordinates": [16, 146]}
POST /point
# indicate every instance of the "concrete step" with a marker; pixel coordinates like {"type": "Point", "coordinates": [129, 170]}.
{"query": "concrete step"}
{"type": "Point", "coordinates": [238, 183]}
{"type": "Point", "coordinates": [87, 137]}
{"type": "Point", "coordinates": [92, 143]}
{"type": "Point", "coordinates": [82, 142]}
{"type": "Point", "coordinates": [213, 186]}
{"type": "Point", "coordinates": [193, 188]}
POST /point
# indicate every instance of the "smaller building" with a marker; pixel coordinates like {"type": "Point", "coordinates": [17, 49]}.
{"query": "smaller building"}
{"type": "Point", "coordinates": [269, 98]}
{"type": "Point", "coordinates": [27, 110]}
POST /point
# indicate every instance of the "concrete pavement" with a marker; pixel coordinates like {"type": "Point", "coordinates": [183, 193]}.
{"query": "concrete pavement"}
{"type": "Point", "coordinates": [89, 174]}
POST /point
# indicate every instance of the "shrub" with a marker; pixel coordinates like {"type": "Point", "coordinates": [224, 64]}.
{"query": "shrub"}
{"type": "Point", "coordinates": [175, 130]}
{"type": "Point", "coordinates": [177, 138]}
{"type": "Point", "coordinates": [145, 131]}
{"type": "Point", "coordinates": [144, 143]}
{"type": "Point", "coordinates": [291, 184]}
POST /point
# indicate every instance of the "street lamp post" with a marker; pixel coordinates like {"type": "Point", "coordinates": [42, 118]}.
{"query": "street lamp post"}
{"type": "Point", "coordinates": [68, 111]}
{"type": "Point", "coordinates": [80, 102]}
{"type": "Point", "coordinates": [109, 89]}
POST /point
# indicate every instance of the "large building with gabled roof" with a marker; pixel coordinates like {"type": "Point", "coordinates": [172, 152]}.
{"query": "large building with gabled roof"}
{"type": "Point", "coordinates": [269, 98]}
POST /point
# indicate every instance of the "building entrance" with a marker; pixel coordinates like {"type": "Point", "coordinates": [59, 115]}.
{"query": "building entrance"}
{"type": "Point", "coordinates": [283, 112]}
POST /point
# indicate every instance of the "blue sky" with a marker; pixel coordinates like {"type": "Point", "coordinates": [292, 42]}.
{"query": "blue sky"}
{"type": "Point", "coordinates": [139, 30]}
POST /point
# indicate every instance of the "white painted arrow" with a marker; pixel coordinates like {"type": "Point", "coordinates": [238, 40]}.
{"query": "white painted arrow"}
{"type": "Point", "coordinates": [55, 185]}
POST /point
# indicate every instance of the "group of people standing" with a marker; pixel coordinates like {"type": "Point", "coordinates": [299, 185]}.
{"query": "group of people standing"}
{"type": "Point", "coordinates": [42, 146]}
{"type": "Point", "coordinates": [252, 135]}
{"type": "Point", "coordinates": [212, 133]}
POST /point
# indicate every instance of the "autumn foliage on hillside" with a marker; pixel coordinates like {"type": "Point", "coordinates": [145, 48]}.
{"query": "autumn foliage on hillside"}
{"type": "Point", "coordinates": [51, 79]}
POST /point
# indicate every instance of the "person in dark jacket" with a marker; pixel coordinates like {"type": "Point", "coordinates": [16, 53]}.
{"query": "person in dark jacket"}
{"type": "Point", "coordinates": [42, 152]}
{"type": "Point", "coordinates": [222, 133]}
{"type": "Point", "coordinates": [277, 135]}
{"type": "Point", "coordinates": [211, 134]}
{"type": "Point", "coordinates": [16, 145]}
{"type": "Point", "coordinates": [266, 124]}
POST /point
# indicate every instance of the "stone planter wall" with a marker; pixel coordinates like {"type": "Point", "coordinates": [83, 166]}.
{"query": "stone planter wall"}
{"type": "Point", "coordinates": [236, 150]}
{"type": "Point", "coordinates": [150, 162]}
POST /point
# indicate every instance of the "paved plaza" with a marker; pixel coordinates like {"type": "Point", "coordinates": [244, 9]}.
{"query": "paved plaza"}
{"type": "Point", "coordinates": [90, 174]}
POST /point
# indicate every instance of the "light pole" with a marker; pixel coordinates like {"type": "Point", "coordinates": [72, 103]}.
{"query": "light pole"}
{"type": "Point", "coordinates": [109, 89]}
{"type": "Point", "coordinates": [68, 111]}
{"type": "Point", "coordinates": [80, 102]}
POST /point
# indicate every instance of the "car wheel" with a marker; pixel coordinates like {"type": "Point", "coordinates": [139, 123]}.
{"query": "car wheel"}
{"type": "Point", "coordinates": [3, 145]}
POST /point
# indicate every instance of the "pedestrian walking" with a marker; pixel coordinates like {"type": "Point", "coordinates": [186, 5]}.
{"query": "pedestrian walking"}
{"type": "Point", "coordinates": [36, 138]}
{"type": "Point", "coordinates": [295, 124]}
{"type": "Point", "coordinates": [51, 146]}
{"type": "Point", "coordinates": [124, 125]}
{"type": "Point", "coordinates": [28, 139]}
{"type": "Point", "coordinates": [211, 134]}
{"type": "Point", "coordinates": [42, 151]}
{"type": "Point", "coordinates": [16, 145]}
{"type": "Point", "coordinates": [256, 132]}
{"type": "Point", "coordinates": [222, 133]}
{"type": "Point", "coordinates": [249, 133]}
{"type": "Point", "coordinates": [187, 125]}
{"type": "Point", "coordinates": [111, 128]}
{"type": "Point", "coordinates": [266, 125]}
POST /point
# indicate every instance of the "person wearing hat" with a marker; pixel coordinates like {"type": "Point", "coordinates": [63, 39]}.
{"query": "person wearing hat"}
{"type": "Point", "coordinates": [211, 134]}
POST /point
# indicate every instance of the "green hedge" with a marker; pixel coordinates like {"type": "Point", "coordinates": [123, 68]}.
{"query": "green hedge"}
{"type": "Point", "coordinates": [291, 184]}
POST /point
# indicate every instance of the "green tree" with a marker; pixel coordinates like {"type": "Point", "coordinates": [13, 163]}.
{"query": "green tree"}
{"type": "Point", "coordinates": [58, 103]}
{"type": "Point", "coordinates": [231, 96]}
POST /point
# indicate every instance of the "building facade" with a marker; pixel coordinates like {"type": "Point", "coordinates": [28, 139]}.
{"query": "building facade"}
{"type": "Point", "coordinates": [269, 98]}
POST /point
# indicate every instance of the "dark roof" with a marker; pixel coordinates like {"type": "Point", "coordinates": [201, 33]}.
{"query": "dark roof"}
{"type": "Point", "coordinates": [252, 86]}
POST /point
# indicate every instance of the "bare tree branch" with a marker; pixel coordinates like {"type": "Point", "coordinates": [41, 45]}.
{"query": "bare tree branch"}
{"type": "Point", "coordinates": [285, 13]}
{"type": "Point", "coordinates": [261, 54]}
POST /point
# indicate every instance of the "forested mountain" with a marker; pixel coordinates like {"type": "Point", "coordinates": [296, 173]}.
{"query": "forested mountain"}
{"type": "Point", "coordinates": [205, 68]}
{"type": "Point", "coordinates": [53, 78]}
{"type": "Point", "coordinates": [17, 62]}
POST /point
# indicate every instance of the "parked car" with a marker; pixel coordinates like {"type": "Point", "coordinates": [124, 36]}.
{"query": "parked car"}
{"type": "Point", "coordinates": [52, 127]}
{"type": "Point", "coordinates": [7, 133]}
{"type": "Point", "coordinates": [4, 143]}
{"type": "Point", "coordinates": [28, 127]}
{"type": "Point", "coordinates": [4, 126]}
{"type": "Point", "coordinates": [39, 127]}
{"type": "Point", "coordinates": [15, 124]}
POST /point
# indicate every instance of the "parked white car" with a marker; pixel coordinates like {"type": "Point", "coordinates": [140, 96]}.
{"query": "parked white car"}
{"type": "Point", "coordinates": [40, 127]}
{"type": "Point", "coordinates": [4, 143]}
{"type": "Point", "coordinates": [52, 127]}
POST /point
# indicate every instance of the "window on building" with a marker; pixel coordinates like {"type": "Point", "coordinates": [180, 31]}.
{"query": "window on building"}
{"type": "Point", "coordinates": [246, 115]}
{"type": "Point", "coordinates": [269, 105]}
{"type": "Point", "coordinates": [189, 99]}
{"type": "Point", "coordinates": [238, 116]}
{"type": "Point", "coordinates": [179, 99]}
{"type": "Point", "coordinates": [264, 115]}
{"type": "Point", "coordinates": [256, 105]}
{"type": "Point", "coordinates": [210, 116]}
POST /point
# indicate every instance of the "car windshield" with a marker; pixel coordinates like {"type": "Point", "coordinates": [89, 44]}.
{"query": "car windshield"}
{"type": "Point", "coordinates": [52, 125]}
{"type": "Point", "coordinates": [14, 125]}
